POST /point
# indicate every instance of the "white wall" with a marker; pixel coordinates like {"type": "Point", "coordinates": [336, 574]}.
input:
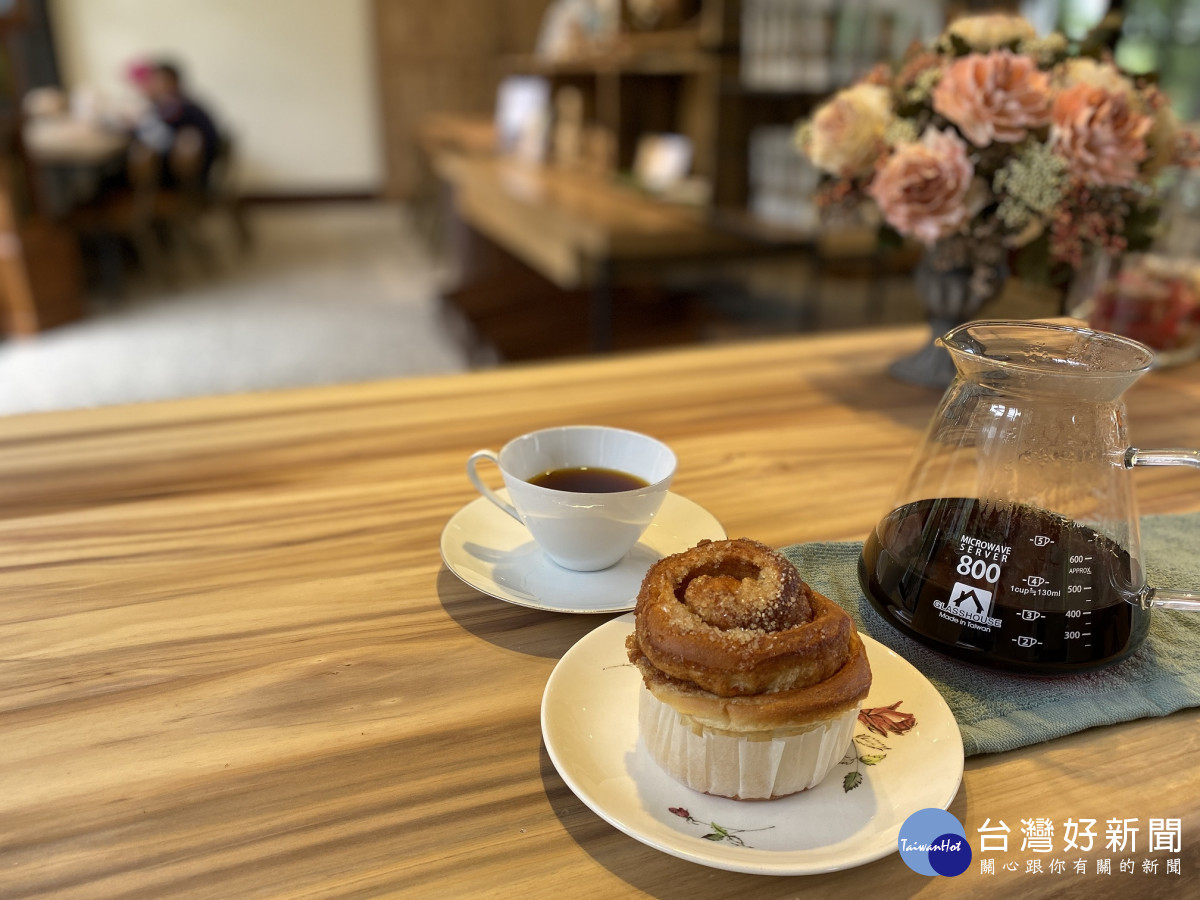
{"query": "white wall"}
{"type": "Point", "coordinates": [293, 81]}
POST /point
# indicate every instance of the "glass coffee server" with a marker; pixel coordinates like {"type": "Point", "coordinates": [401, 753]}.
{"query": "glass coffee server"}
{"type": "Point", "coordinates": [1014, 542]}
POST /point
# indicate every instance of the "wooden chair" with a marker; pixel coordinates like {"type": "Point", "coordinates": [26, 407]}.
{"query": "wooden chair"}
{"type": "Point", "coordinates": [196, 192]}
{"type": "Point", "coordinates": [179, 206]}
{"type": "Point", "coordinates": [157, 218]}
{"type": "Point", "coordinates": [125, 215]}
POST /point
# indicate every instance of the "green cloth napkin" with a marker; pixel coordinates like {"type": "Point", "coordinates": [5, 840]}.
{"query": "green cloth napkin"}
{"type": "Point", "coordinates": [997, 711]}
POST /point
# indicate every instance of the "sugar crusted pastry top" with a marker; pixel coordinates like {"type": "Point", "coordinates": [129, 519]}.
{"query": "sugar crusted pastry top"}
{"type": "Point", "coordinates": [728, 632]}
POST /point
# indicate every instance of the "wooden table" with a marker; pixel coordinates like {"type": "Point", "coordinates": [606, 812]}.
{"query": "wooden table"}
{"type": "Point", "coordinates": [233, 664]}
{"type": "Point", "coordinates": [69, 160]}
{"type": "Point", "coordinates": [579, 230]}
{"type": "Point", "coordinates": [65, 141]}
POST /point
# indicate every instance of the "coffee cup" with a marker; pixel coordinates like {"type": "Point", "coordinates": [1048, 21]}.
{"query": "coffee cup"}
{"type": "Point", "coordinates": [575, 524]}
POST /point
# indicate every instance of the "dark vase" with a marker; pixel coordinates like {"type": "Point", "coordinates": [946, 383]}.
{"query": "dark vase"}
{"type": "Point", "coordinates": [952, 289]}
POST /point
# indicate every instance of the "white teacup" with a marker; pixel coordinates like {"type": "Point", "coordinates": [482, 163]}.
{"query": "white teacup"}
{"type": "Point", "coordinates": [581, 531]}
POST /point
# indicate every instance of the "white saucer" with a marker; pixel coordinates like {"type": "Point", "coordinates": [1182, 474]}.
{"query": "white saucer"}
{"type": "Point", "coordinates": [494, 553]}
{"type": "Point", "coordinates": [589, 724]}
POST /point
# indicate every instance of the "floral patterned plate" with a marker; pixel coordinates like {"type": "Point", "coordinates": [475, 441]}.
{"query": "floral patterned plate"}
{"type": "Point", "coordinates": [906, 755]}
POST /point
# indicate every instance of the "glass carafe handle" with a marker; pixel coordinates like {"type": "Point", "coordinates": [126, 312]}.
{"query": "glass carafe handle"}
{"type": "Point", "coordinates": [1162, 598]}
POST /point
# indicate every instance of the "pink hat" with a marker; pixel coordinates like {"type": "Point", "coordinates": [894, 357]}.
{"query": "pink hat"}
{"type": "Point", "coordinates": [139, 72]}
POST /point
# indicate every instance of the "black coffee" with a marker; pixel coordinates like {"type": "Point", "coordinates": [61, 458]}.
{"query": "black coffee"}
{"type": "Point", "coordinates": [1003, 585]}
{"type": "Point", "coordinates": [588, 480]}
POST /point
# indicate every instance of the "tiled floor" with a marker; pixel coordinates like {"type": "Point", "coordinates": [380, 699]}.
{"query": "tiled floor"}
{"type": "Point", "coordinates": [330, 293]}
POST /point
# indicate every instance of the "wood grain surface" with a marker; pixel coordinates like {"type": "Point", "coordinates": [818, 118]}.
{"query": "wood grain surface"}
{"type": "Point", "coordinates": [232, 663]}
{"type": "Point", "coordinates": [564, 224]}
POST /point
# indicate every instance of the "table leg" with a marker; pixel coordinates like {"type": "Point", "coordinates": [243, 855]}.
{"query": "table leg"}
{"type": "Point", "coordinates": [602, 308]}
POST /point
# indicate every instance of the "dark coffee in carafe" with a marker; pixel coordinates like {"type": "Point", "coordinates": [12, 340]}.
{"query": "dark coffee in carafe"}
{"type": "Point", "coordinates": [1003, 585]}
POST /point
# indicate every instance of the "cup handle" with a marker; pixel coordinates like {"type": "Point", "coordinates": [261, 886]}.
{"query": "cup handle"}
{"type": "Point", "coordinates": [1164, 598]}
{"type": "Point", "coordinates": [472, 462]}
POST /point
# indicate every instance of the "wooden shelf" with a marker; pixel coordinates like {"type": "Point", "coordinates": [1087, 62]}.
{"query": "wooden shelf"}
{"type": "Point", "coordinates": [687, 37]}
{"type": "Point", "coordinates": [685, 80]}
{"type": "Point", "coordinates": [735, 88]}
{"type": "Point", "coordinates": [660, 62]}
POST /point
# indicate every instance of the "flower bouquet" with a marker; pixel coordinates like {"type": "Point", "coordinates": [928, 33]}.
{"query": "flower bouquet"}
{"type": "Point", "coordinates": [995, 147]}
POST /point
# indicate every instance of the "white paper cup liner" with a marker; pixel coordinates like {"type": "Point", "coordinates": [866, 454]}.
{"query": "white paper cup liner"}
{"type": "Point", "coordinates": [742, 767]}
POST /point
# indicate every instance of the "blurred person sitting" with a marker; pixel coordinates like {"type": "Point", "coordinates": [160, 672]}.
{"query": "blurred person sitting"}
{"type": "Point", "coordinates": [152, 204]}
{"type": "Point", "coordinates": [177, 128]}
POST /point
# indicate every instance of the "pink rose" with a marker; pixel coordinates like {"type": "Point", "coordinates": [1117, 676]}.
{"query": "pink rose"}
{"type": "Point", "coordinates": [846, 137]}
{"type": "Point", "coordinates": [994, 97]}
{"type": "Point", "coordinates": [1099, 133]}
{"type": "Point", "coordinates": [922, 188]}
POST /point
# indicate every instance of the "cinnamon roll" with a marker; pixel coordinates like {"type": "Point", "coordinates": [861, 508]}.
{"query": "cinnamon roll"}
{"type": "Point", "coordinates": [753, 680]}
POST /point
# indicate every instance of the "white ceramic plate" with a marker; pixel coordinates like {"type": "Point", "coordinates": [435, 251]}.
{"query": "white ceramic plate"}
{"type": "Point", "coordinates": [589, 724]}
{"type": "Point", "coordinates": [492, 552]}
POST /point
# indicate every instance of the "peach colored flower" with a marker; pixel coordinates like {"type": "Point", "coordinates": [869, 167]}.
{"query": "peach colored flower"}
{"type": "Point", "coordinates": [991, 30]}
{"type": "Point", "coordinates": [846, 137]}
{"type": "Point", "coordinates": [914, 65]}
{"type": "Point", "coordinates": [996, 96]}
{"type": "Point", "coordinates": [879, 74]}
{"type": "Point", "coordinates": [922, 188]}
{"type": "Point", "coordinates": [1099, 133]}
